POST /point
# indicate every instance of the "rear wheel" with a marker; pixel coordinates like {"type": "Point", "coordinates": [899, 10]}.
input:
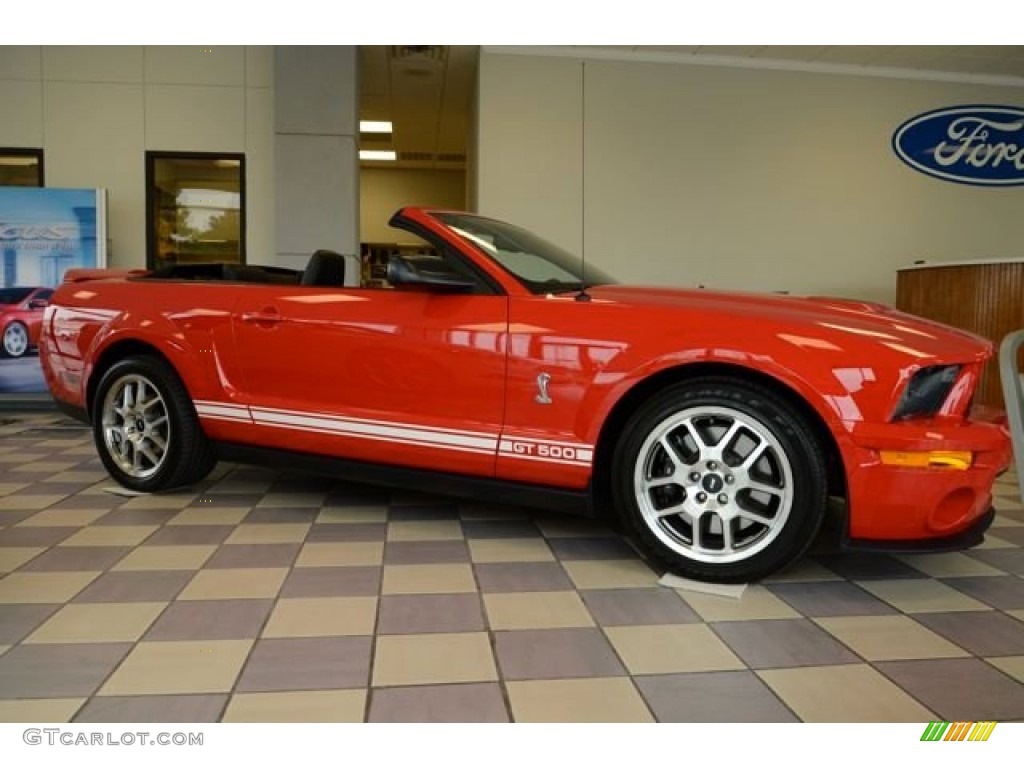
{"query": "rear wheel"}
{"type": "Point", "coordinates": [146, 429]}
{"type": "Point", "coordinates": [15, 339]}
{"type": "Point", "coordinates": [719, 479]}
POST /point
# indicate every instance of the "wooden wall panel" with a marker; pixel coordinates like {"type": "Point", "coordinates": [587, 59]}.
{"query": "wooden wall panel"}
{"type": "Point", "coordinates": [986, 298]}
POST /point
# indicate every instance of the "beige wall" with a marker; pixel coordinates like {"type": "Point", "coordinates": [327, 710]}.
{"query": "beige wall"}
{"type": "Point", "coordinates": [95, 110]}
{"type": "Point", "coordinates": [384, 191]}
{"type": "Point", "coordinates": [728, 177]}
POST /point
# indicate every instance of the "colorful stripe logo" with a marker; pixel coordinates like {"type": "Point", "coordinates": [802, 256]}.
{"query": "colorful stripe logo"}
{"type": "Point", "coordinates": [958, 731]}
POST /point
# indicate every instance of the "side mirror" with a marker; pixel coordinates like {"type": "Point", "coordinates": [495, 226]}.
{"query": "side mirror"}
{"type": "Point", "coordinates": [403, 273]}
{"type": "Point", "coordinates": [38, 304]}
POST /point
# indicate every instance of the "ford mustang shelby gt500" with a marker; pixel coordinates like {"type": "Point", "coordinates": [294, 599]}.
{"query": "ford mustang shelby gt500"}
{"type": "Point", "coordinates": [714, 426]}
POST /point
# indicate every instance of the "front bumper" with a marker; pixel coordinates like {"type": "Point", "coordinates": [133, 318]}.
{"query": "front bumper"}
{"type": "Point", "coordinates": [922, 508]}
{"type": "Point", "coordinates": [971, 536]}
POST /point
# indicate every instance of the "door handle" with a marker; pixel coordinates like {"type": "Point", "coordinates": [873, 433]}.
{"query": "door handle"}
{"type": "Point", "coordinates": [266, 316]}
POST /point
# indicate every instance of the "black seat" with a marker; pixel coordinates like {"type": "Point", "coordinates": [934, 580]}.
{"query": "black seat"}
{"type": "Point", "coordinates": [325, 268]}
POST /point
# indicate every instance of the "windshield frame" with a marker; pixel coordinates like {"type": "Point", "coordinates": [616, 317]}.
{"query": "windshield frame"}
{"type": "Point", "coordinates": [13, 292]}
{"type": "Point", "coordinates": [462, 224]}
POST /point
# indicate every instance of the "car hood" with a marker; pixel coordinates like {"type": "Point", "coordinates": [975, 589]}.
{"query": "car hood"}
{"type": "Point", "coordinates": [818, 318]}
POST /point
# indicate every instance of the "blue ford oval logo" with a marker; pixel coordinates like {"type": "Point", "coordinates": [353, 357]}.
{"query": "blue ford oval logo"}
{"type": "Point", "coordinates": [981, 145]}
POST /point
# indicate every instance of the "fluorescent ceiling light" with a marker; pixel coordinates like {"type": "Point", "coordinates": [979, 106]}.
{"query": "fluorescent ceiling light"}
{"type": "Point", "coordinates": [377, 154]}
{"type": "Point", "coordinates": [375, 126]}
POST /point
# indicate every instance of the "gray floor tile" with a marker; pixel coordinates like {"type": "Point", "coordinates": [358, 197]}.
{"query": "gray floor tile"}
{"type": "Point", "coordinates": [18, 620]}
{"type": "Point", "coordinates": [59, 670]}
{"type": "Point", "coordinates": [328, 532]}
{"type": "Point", "coordinates": [89, 501]}
{"type": "Point", "coordinates": [302, 664]}
{"type": "Point", "coordinates": [1003, 592]}
{"type": "Point", "coordinates": [211, 620]}
{"type": "Point", "coordinates": [521, 577]}
{"type": "Point", "coordinates": [591, 548]}
{"type": "Point", "coordinates": [137, 517]}
{"type": "Point", "coordinates": [467, 703]}
{"type": "Point", "coordinates": [415, 614]}
{"type": "Point", "coordinates": [135, 587]}
{"type": "Point", "coordinates": [499, 529]}
{"type": "Point", "coordinates": [864, 566]}
{"type": "Point", "coordinates": [1013, 535]}
{"type": "Point", "coordinates": [713, 697]}
{"type": "Point", "coordinates": [830, 598]}
{"type": "Point", "coordinates": [959, 689]}
{"type": "Point", "coordinates": [415, 552]}
{"type": "Point", "coordinates": [983, 633]}
{"type": "Point", "coordinates": [35, 536]}
{"type": "Point", "coordinates": [77, 559]}
{"type": "Point", "coordinates": [13, 517]}
{"type": "Point", "coordinates": [1009, 560]}
{"type": "Point", "coordinates": [254, 556]}
{"type": "Point", "coordinates": [172, 535]}
{"type": "Point", "coordinates": [333, 581]}
{"type": "Point", "coordinates": [228, 500]}
{"type": "Point", "coordinates": [282, 515]}
{"type": "Point", "coordinates": [555, 653]}
{"type": "Point", "coordinates": [620, 607]}
{"type": "Point", "coordinates": [783, 643]}
{"type": "Point", "coordinates": [153, 709]}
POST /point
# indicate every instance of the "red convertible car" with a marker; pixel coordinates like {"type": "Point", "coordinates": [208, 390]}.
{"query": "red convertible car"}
{"type": "Point", "coordinates": [713, 426]}
{"type": "Point", "coordinates": [21, 316]}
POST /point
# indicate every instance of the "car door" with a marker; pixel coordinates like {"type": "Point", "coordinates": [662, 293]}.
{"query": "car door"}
{"type": "Point", "coordinates": [406, 377]}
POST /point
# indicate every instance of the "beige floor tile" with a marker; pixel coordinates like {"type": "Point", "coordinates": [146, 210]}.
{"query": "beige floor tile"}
{"type": "Point", "coordinates": [22, 587]}
{"type": "Point", "coordinates": [851, 693]}
{"type": "Point", "coordinates": [210, 516]}
{"type": "Point", "coordinates": [188, 666]}
{"type": "Point", "coordinates": [110, 536]}
{"type": "Point", "coordinates": [563, 526]}
{"type": "Point", "coordinates": [25, 501]}
{"type": "Point", "coordinates": [15, 557]}
{"type": "Point", "coordinates": [994, 542]}
{"type": "Point", "coordinates": [4, 649]}
{"type": "Point", "coordinates": [234, 583]}
{"type": "Point", "coordinates": [648, 650]}
{"type": "Point", "coordinates": [922, 596]}
{"type": "Point", "coordinates": [39, 710]}
{"type": "Point", "coordinates": [322, 616]}
{"type": "Point", "coordinates": [756, 603]}
{"type": "Point", "coordinates": [97, 623]}
{"type": "Point", "coordinates": [6, 489]}
{"type": "Point", "coordinates": [297, 707]}
{"type": "Point", "coordinates": [1001, 521]}
{"type": "Point", "coordinates": [456, 657]}
{"type": "Point", "coordinates": [341, 553]}
{"type": "Point", "coordinates": [299, 499]}
{"type": "Point", "coordinates": [357, 514]}
{"type": "Point", "coordinates": [44, 466]}
{"type": "Point", "coordinates": [1017, 614]}
{"type": "Point", "coordinates": [803, 570]}
{"type": "Point", "coordinates": [890, 638]}
{"type": "Point", "coordinates": [946, 565]}
{"type": "Point", "coordinates": [76, 476]}
{"type": "Point", "coordinates": [424, 530]}
{"type": "Point", "coordinates": [595, 700]}
{"type": "Point", "coordinates": [428, 579]}
{"type": "Point", "coordinates": [170, 558]}
{"type": "Point", "coordinates": [536, 610]}
{"type": "Point", "coordinates": [15, 457]}
{"type": "Point", "coordinates": [159, 501]}
{"type": "Point", "coordinates": [509, 551]}
{"type": "Point", "coordinates": [64, 517]}
{"type": "Point", "coordinates": [610, 574]}
{"type": "Point", "coordinates": [1011, 665]}
{"type": "Point", "coordinates": [269, 533]}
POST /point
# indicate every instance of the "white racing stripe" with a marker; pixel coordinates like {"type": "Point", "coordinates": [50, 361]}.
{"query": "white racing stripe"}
{"type": "Point", "coordinates": [463, 441]}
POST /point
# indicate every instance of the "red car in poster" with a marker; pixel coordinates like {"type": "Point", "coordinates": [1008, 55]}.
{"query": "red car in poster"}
{"type": "Point", "coordinates": [714, 426]}
{"type": "Point", "coordinates": [21, 317]}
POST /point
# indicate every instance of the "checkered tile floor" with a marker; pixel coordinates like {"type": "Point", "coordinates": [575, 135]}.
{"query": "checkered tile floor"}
{"type": "Point", "coordinates": [269, 597]}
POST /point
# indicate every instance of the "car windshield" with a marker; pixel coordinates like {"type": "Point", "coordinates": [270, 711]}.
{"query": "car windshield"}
{"type": "Point", "coordinates": [540, 266]}
{"type": "Point", "coordinates": [13, 295]}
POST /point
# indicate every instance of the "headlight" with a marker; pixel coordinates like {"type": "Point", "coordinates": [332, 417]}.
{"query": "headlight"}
{"type": "Point", "coordinates": [926, 392]}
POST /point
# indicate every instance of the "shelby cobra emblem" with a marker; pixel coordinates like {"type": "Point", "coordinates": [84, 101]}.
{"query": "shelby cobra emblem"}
{"type": "Point", "coordinates": [982, 145]}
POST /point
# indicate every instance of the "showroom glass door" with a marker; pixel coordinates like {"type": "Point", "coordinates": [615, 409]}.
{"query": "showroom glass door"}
{"type": "Point", "coordinates": [402, 377]}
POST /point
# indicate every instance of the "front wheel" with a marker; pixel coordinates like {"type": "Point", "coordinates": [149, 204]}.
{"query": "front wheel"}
{"type": "Point", "coordinates": [15, 340]}
{"type": "Point", "coordinates": [720, 479]}
{"type": "Point", "coordinates": [146, 429]}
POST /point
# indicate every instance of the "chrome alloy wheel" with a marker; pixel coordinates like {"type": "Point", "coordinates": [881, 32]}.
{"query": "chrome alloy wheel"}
{"type": "Point", "coordinates": [713, 484]}
{"type": "Point", "coordinates": [15, 340]}
{"type": "Point", "coordinates": [135, 427]}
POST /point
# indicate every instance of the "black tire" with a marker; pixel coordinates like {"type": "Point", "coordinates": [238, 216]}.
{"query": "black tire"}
{"type": "Point", "coordinates": [6, 341]}
{"type": "Point", "coordinates": [780, 481]}
{"type": "Point", "coordinates": [128, 437]}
